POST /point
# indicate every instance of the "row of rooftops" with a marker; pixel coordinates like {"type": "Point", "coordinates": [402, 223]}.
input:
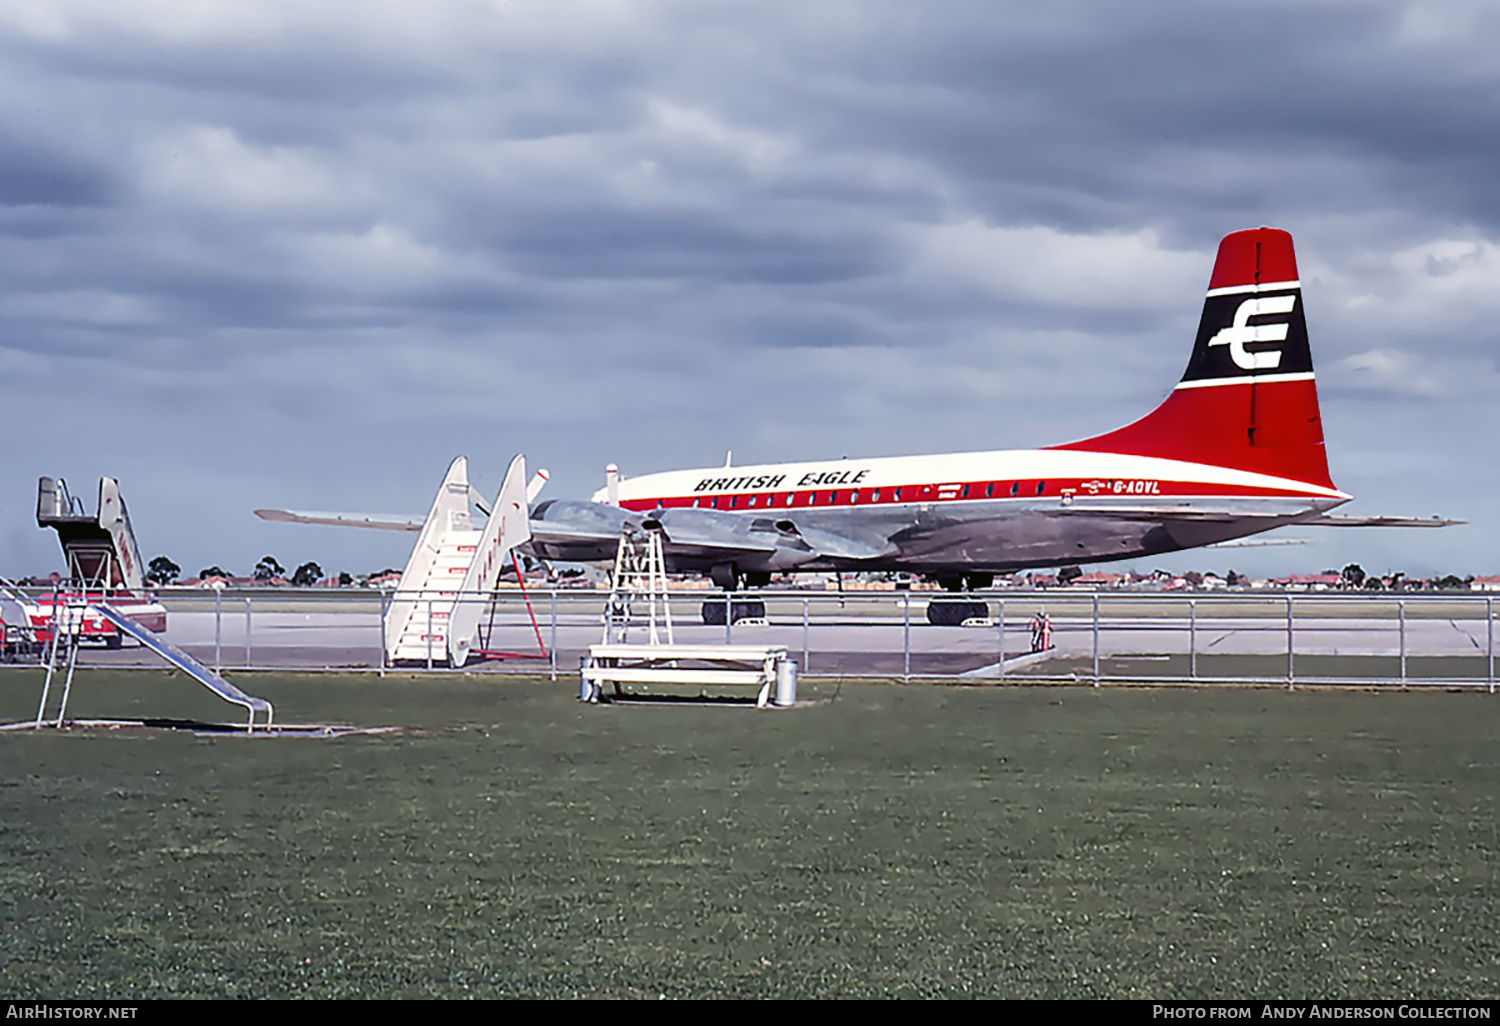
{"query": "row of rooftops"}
{"type": "Point", "coordinates": [1095, 579]}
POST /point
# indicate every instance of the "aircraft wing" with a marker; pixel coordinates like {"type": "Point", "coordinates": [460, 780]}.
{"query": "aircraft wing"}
{"type": "Point", "coordinates": [384, 521]}
{"type": "Point", "coordinates": [375, 521]}
{"type": "Point", "coordinates": [694, 537]}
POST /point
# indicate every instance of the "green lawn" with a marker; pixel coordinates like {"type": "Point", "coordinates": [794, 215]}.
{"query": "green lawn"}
{"type": "Point", "coordinates": [919, 840]}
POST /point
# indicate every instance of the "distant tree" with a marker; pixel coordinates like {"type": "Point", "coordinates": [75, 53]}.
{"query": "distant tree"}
{"type": "Point", "coordinates": [307, 574]}
{"type": "Point", "coordinates": [268, 568]}
{"type": "Point", "coordinates": [344, 579]}
{"type": "Point", "coordinates": [1453, 583]}
{"type": "Point", "coordinates": [1069, 574]}
{"type": "Point", "coordinates": [213, 571]}
{"type": "Point", "coordinates": [1194, 578]}
{"type": "Point", "coordinates": [162, 571]}
{"type": "Point", "coordinates": [1373, 584]}
{"type": "Point", "coordinates": [1233, 579]}
{"type": "Point", "coordinates": [1353, 575]}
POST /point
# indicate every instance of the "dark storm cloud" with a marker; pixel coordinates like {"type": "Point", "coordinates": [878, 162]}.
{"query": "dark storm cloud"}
{"type": "Point", "coordinates": [304, 254]}
{"type": "Point", "coordinates": [30, 179]}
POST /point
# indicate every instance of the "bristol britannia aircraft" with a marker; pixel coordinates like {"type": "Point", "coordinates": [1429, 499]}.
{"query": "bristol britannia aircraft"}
{"type": "Point", "coordinates": [1235, 450]}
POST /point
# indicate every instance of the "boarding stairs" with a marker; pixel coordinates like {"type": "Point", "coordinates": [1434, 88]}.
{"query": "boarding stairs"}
{"type": "Point", "coordinates": [417, 623]}
{"type": "Point", "coordinates": [68, 618]}
{"type": "Point", "coordinates": [446, 585]}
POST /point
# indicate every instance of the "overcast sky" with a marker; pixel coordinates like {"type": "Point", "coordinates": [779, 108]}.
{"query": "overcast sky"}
{"type": "Point", "coordinates": [301, 254]}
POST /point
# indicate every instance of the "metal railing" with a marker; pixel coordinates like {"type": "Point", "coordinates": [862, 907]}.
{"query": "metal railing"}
{"type": "Point", "coordinates": [1406, 639]}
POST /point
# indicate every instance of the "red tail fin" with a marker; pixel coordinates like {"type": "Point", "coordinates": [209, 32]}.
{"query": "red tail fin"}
{"type": "Point", "coordinates": [1247, 399]}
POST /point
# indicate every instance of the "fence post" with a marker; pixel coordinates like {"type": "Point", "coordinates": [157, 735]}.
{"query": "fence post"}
{"type": "Point", "coordinates": [429, 633]}
{"type": "Point", "coordinates": [1489, 623]}
{"type": "Point", "coordinates": [1192, 639]}
{"type": "Point", "coordinates": [906, 639]}
{"type": "Point", "coordinates": [384, 600]}
{"type": "Point", "coordinates": [248, 663]}
{"type": "Point", "coordinates": [1096, 639]}
{"type": "Point", "coordinates": [1401, 626]}
{"type": "Point", "coordinates": [1002, 637]}
{"type": "Point", "coordinates": [728, 617]}
{"type": "Point", "coordinates": [1291, 669]}
{"type": "Point", "coordinates": [804, 637]}
{"type": "Point", "coordinates": [552, 643]}
{"type": "Point", "coordinates": [218, 627]}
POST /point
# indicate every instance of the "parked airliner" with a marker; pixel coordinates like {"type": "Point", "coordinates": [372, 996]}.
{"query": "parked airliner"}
{"type": "Point", "coordinates": [1235, 450]}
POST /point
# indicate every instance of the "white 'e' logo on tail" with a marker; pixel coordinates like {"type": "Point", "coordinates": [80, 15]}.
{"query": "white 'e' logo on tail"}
{"type": "Point", "coordinates": [1241, 331]}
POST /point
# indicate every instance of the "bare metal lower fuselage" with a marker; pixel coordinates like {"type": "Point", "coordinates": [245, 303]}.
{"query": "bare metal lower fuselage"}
{"type": "Point", "coordinates": [948, 538]}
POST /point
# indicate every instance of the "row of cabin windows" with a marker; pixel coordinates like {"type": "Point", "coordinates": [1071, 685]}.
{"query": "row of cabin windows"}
{"type": "Point", "coordinates": [832, 498]}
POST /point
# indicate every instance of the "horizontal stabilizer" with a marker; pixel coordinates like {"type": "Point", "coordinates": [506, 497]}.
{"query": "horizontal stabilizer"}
{"type": "Point", "coordinates": [1255, 543]}
{"type": "Point", "coordinates": [375, 521]}
{"type": "Point", "coordinates": [1335, 520]}
{"type": "Point", "coordinates": [1155, 514]}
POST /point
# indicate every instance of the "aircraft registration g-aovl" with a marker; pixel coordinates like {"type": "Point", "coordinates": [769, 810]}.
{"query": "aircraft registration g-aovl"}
{"type": "Point", "coordinates": [1236, 449]}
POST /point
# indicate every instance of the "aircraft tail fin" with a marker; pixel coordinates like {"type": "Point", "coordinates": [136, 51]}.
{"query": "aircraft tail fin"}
{"type": "Point", "coordinates": [1248, 399]}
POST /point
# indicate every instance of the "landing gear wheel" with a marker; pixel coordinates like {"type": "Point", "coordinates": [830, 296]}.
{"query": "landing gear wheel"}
{"type": "Point", "coordinates": [951, 614]}
{"type": "Point", "coordinates": [748, 609]}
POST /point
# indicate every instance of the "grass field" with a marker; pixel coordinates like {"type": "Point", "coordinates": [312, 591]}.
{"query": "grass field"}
{"type": "Point", "coordinates": [893, 841]}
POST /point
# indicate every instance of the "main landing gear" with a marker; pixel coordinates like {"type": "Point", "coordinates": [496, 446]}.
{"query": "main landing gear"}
{"type": "Point", "coordinates": [953, 612]}
{"type": "Point", "coordinates": [728, 577]}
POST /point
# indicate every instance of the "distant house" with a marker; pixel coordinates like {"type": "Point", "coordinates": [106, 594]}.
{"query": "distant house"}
{"type": "Point", "coordinates": [215, 581]}
{"type": "Point", "coordinates": [1309, 582]}
{"type": "Point", "coordinates": [1485, 584]}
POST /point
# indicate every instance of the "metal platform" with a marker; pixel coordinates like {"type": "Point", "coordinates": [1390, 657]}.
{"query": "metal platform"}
{"type": "Point", "coordinates": [638, 597]}
{"type": "Point", "coordinates": [765, 667]}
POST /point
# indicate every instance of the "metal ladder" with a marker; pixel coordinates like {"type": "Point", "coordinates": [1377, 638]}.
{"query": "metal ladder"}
{"type": "Point", "coordinates": [639, 577]}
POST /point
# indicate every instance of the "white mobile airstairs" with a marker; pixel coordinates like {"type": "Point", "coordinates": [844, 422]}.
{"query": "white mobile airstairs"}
{"type": "Point", "coordinates": [454, 567]}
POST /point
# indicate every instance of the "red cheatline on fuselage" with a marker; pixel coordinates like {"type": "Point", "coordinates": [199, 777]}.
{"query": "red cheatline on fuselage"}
{"type": "Point", "coordinates": [970, 491]}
